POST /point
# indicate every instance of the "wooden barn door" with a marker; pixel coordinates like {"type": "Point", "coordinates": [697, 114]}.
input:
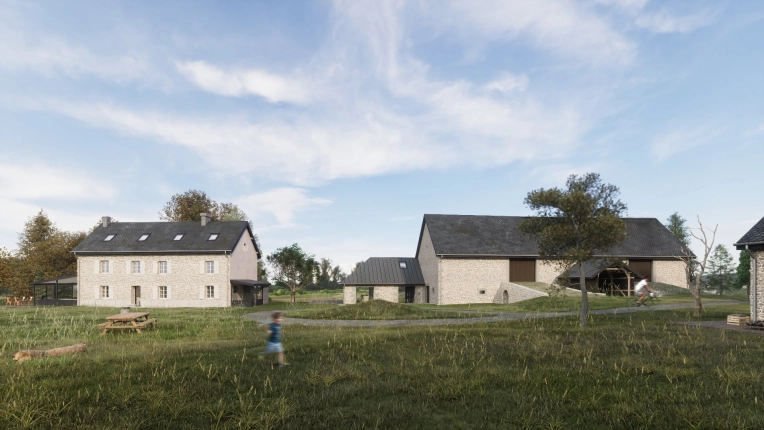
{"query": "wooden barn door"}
{"type": "Point", "coordinates": [522, 270]}
{"type": "Point", "coordinates": [642, 267]}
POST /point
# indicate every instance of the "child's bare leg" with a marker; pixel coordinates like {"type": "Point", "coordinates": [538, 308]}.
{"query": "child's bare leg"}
{"type": "Point", "coordinates": [281, 358]}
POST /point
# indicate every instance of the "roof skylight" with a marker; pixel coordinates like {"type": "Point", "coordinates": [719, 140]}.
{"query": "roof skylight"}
{"type": "Point", "coordinates": [213, 236]}
{"type": "Point", "coordinates": [178, 236]}
{"type": "Point", "coordinates": [143, 237]}
{"type": "Point", "coordinates": [402, 264]}
{"type": "Point", "coordinates": [109, 238]}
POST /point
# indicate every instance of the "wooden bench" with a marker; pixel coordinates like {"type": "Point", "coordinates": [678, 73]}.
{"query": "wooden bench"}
{"type": "Point", "coordinates": [131, 321]}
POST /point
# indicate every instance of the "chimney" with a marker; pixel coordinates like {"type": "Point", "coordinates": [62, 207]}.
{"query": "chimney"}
{"type": "Point", "coordinates": [206, 219]}
{"type": "Point", "coordinates": [105, 221]}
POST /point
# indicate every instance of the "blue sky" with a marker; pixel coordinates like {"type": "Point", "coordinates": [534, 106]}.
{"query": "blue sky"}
{"type": "Point", "coordinates": [336, 125]}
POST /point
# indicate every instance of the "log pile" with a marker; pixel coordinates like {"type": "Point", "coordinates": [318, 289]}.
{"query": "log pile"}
{"type": "Point", "coordinates": [30, 354]}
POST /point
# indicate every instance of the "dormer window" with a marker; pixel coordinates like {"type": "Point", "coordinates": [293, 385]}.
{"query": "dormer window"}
{"type": "Point", "coordinates": [178, 236]}
{"type": "Point", "coordinates": [143, 237]}
{"type": "Point", "coordinates": [213, 236]}
{"type": "Point", "coordinates": [402, 264]}
{"type": "Point", "coordinates": [109, 238]}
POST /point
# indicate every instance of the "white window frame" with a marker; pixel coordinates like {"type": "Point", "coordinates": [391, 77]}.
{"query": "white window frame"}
{"type": "Point", "coordinates": [213, 236]}
{"type": "Point", "coordinates": [209, 267]}
{"type": "Point", "coordinates": [163, 292]}
{"type": "Point", "coordinates": [179, 236]}
{"type": "Point", "coordinates": [162, 265]}
{"type": "Point", "coordinates": [209, 292]}
{"type": "Point", "coordinates": [105, 292]}
{"type": "Point", "coordinates": [143, 237]}
{"type": "Point", "coordinates": [135, 267]}
{"type": "Point", "coordinates": [104, 264]}
{"type": "Point", "coordinates": [402, 264]}
{"type": "Point", "coordinates": [109, 237]}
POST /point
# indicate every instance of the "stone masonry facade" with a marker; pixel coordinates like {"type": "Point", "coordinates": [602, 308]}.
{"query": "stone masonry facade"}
{"type": "Point", "coordinates": [186, 281]}
{"type": "Point", "coordinates": [388, 294]}
{"type": "Point", "coordinates": [757, 285]}
{"type": "Point", "coordinates": [670, 272]}
{"type": "Point", "coordinates": [468, 280]}
{"type": "Point", "coordinates": [430, 264]}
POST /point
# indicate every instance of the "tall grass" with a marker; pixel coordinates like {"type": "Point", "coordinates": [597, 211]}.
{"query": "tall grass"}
{"type": "Point", "coordinates": [199, 370]}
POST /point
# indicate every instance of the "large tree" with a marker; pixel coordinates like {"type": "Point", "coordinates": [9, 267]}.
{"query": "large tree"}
{"type": "Point", "coordinates": [678, 227]}
{"type": "Point", "coordinates": [293, 268]}
{"type": "Point", "coordinates": [189, 205]}
{"type": "Point", "coordinates": [743, 275]}
{"type": "Point", "coordinates": [44, 252]}
{"type": "Point", "coordinates": [721, 270]}
{"type": "Point", "coordinates": [695, 271]}
{"type": "Point", "coordinates": [574, 224]}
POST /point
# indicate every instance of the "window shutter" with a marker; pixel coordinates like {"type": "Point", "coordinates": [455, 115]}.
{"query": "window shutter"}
{"type": "Point", "coordinates": [111, 266]}
{"type": "Point", "coordinates": [169, 292]}
{"type": "Point", "coordinates": [216, 267]}
{"type": "Point", "coordinates": [216, 291]}
{"type": "Point", "coordinates": [201, 267]}
{"type": "Point", "coordinates": [97, 292]}
{"type": "Point", "coordinates": [97, 267]}
{"type": "Point", "coordinates": [155, 267]}
{"type": "Point", "coordinates": [201, 292]}
{"type": "Point", "coordinates": [143, 267]}
{"type": "Point", "coordinates": [155, 292]}
{"type": "Point", "coordinates": [169, 267]}
{"type": "Point", "coordinates": [127, 267]}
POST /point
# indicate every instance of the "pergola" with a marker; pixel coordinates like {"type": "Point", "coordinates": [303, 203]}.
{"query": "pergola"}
{"type": "Point", "coordinates": [612, 278]}
{"type": "Point", "coordinates": [61, 291]}
{"type": "Point", "coordinates": [247, 292]}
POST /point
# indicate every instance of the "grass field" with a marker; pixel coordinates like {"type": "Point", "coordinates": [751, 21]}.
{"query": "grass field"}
{"type": "Point", "coordinates": [199, 370]}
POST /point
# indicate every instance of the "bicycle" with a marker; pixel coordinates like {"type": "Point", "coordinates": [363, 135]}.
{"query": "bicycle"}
{"type": "Point", "coordinates": [650, 300]}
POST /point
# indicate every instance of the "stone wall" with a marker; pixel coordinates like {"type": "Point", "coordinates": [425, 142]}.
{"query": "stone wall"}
{"type": "Point", "coordinates": [429, 263]}
{"type": "Point", "coordinates": [546, 271]}
{"type": "Point", "coordinates": [349, 296]}
{"type": "Point", "coordinates": [670, 272]}
{"type": "Point", "coordinates": [516, 293]}
{"type": "Point", "coordinates": [471, 280]}
{"type": "Point", "coordinates": [185, 281]}
{"type": "Point", "coordinates": [756, 288]}
{"type": "Point", "coordinates": [388, 294]}
{"type": "Point", "coordinates": [420, 295]}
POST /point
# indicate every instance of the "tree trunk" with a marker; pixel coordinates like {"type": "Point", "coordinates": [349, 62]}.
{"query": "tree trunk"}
{"type": "Point", "coordinates": [584, 296]}
{"type": "Point", "coordinates": [293, 295]}
{"type": "Point", "coordinates": [696, 294]}
{"type": "Point", "coordinates": [55, 352]}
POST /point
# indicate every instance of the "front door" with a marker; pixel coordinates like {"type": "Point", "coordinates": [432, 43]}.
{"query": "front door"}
{"type": "Point", "coordinates": [136, 296]}
{"type": "Point", "coordinates": [410, 294]}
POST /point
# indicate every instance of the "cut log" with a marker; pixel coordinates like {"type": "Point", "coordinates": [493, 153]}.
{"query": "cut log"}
{"type": "Point", "coordinates": [29, 354]}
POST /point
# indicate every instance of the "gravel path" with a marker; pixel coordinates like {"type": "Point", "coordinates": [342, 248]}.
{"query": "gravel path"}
{"type": "Point", "coordinates": [261, 317]}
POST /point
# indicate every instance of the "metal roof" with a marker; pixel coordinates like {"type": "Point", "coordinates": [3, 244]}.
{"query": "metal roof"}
{"type": "Point", "coordinates": [755, 235]}
{"type": "Point", "coordinates": [250, 282]}
{"type": "Point", "coordinates": [62, 280]}
{"type": "Point", "coordinates": [597, 266]}
{"type": "Point", "coordinates": [386, 271]}
{"type": "Point", "coordinates": [480, 235]}
{"type": "Point", "coordinates": [161, 234]}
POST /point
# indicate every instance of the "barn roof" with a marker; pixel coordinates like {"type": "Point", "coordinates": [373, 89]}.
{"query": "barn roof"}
{"type": "Point", "coordinates": [387, 271]}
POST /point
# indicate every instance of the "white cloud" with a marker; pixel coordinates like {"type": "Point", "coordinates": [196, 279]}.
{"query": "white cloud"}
{"type": "Point", "coordinates": [507, 83]}
{"type": "Point", "coordinates": [237, 83]}
{"type": "Point", "coordinates": [569, 29]}
{"type": "Point", "coordinates": [20, 182]}
{"type": "Point", "coordinates": [665, 146]}
{"type": "Point", "coordinates": [664, 22]}
{"type": "Point", "coordinates": [281, 204]}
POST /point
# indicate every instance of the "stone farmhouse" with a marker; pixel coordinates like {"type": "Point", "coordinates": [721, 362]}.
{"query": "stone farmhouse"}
{"type": "Point", "coordinates": [753, 242]}
{"type": "Point", "coordinates": [484, 259]}
{"type": "Point", "coordinates": [169, 264]}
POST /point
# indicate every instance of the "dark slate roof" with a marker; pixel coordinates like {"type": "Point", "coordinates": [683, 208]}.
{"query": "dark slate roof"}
{"type": "Point", "coordinates": [755, 235]}
{"type": "Point", "coordinates": [499, 235]}
{"type": "Point", "coordinates": [386, 271]}
{"type": "Point", "coordinates": [161, 237]}
{"type": "Point", "coordinates": [250, 282]}
{"type": "Point", "coordinates": [595, 267]}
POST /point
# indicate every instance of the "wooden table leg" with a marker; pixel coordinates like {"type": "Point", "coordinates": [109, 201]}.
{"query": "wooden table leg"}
{"type": "Point", "coordinates": [106, 327]}
{"type": "Point", "coordinates": [135, 326]}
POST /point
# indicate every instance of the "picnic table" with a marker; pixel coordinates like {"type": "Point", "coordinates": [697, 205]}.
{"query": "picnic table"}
{"type": "Point", "coordinates": [131, 321]}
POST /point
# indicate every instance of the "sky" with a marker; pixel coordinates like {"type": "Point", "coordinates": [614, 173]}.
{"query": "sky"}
{"type": "Point", "coordinates": [337, 125]}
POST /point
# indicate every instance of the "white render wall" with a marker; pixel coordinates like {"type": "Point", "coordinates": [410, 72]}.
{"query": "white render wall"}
{"type": "Point", "coordinates": [429, 263]}
{"type": "Point", "coordinates": [462, 279]}
{"type": "Point", "coordinates": [186, 281]}
{"type": "Point", "coordinates": [420, 295]}
{"type": "Point", "coordinates": [349, 295]}
{"type": "Point", "coordinates": [244, 259]}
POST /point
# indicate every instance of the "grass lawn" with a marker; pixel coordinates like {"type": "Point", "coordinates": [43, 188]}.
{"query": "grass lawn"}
{"type": "Point", "coordinates": [381, 310]}
{"type": "Point", "coordinates": [199, 369]}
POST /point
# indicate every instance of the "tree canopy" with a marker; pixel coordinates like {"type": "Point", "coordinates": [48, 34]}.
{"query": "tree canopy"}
{"type": "Point", "coordinates": [678, 227]}
{"type": "Point", "coordinates": [743, 275]}
{"type": "Point", "coordinates": [293, 268]}
{"type": "Point", "coordinates": [572, 224]}
{"type": "Point", "coordinates": [721, 270]}
{"type": "Point", "coordinates": [189, 206]}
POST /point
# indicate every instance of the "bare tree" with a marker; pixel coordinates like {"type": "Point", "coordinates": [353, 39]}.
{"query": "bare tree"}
{"type": "Point", "coordinates": [702, 237]}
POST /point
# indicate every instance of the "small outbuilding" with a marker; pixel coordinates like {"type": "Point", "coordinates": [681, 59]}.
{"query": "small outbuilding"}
{"type": "Point", "coordinates": [61, 291]}
{"type": "Point", "coordinates": [753, 242]}
{"type": "Point", "coordinates": [384, 277]}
